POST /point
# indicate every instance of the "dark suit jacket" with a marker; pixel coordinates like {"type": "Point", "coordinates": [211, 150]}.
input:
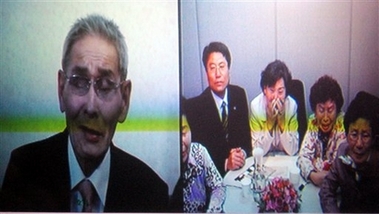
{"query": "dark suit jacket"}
{"type": "Point", "coordinates": [37, 179]}
{"type": "Point", "coordinates": [206, 127]}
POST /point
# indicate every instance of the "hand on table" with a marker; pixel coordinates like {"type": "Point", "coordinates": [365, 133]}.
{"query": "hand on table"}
{"type": "Point", "coordinates": [236, 159]}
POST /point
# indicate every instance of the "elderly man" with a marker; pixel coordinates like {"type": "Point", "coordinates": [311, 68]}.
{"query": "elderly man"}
{"type": "Point", "coordinates": [219, 117]}
{"type": "Point", "coordinates": [81, 169]}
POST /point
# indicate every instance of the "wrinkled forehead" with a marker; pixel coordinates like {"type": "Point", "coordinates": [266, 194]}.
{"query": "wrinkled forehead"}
{"type": "Point", "coordinates": [93, 53]}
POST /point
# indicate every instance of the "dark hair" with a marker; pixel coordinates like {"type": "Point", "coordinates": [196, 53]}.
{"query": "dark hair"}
{"type": "Point", "coordinates": [364, 106]}
{"type": "Point", "coordinates": [274, 72]}
{"type": "Point", "coordinates": [324, 89]}
{"type": "Point", "coordinates": [216, 47]}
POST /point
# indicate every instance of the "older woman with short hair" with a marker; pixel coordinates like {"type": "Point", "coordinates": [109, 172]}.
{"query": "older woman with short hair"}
{"type": "Point", "coordinates": [325, 130]}
{"type": "Point", "coordinates": [354, 175]}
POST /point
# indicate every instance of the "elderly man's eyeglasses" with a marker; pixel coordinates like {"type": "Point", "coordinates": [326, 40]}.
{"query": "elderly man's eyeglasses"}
{"type": "Point", "coordinates": [80, 85]}
{"type": "Point", "coordinates": [354, 136]}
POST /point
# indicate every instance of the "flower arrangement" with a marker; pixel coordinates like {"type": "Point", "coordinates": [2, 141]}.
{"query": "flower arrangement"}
{"type": "Point", "coordinates": [279, 196]}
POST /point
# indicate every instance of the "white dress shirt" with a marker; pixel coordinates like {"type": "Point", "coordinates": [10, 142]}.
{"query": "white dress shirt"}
{"type": "Point", "coordinates": [219, 101]}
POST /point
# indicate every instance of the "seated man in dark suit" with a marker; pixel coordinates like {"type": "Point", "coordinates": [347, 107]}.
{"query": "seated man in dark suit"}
{"type": "Point", "coordinates": [80, 169]}
{"type": "Point", "coordinates": [219, 116]}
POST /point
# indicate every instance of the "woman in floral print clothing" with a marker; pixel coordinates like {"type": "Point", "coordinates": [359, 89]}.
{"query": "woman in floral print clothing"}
{"type": "Point", "coordinates": [202, 183]}
{"type": "Point", "coordinates": [325, 130]}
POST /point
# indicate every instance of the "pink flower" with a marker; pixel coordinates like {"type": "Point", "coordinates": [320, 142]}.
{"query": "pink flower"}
{"type": "Point", "coordinates": [279, 196]}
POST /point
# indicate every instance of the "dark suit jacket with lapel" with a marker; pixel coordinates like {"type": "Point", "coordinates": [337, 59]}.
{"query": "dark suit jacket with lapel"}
{"type": "Point", "coordinates": [37, 179]}
{"type": "Point", "coordinates": [206, 127]}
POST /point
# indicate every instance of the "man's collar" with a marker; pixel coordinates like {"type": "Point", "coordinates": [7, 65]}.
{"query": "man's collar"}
{"type": "Point", "coordinates": [218, 100]}
{"type": "Point", "coordinates": [99, 178]}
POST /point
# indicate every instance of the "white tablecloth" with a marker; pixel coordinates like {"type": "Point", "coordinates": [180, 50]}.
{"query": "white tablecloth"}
{"type": "Point", "coordinates": [235, 202]}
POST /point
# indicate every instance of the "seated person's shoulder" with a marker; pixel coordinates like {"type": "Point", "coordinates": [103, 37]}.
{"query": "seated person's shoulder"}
{"type": "Point", "coordinates": [194, 102]}
{"type": "Point", "coordinates": [197, 150]}
{"type": "Point", "coordinates": [198, 153]}
{"type": "Point", "coordinates": [375, 159]}
{"type": "Point", "coordinates": [48, 146]}
{"type": "Point", "coordinates": [312, 122]}
{"type": "Point", "coordinates": [132, 176]}
{"type": "Point", "coordinates": [128, 163]}
{"type": "Point", "coordinates": [291, 101]}
{"type": "Point", "coordinates": [237, 91]}
{"type": "Point", "coordinates": [236, 88]}
{"type": "Point", "coordinates": [258, 102]}
{"type": "Point", "coordinates": [342, 149]}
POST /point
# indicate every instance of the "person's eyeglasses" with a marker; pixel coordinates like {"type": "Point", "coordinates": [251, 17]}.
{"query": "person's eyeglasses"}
{"type": "Point", "coordinates": [365, 137]}
{"type": "Point", "coordinates": [80, 85]}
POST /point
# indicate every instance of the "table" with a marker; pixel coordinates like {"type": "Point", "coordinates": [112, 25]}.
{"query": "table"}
{"type": "Point", "coordinates": [235, 202]}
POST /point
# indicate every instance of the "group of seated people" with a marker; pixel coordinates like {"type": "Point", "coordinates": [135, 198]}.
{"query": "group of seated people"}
{"type": "Point", "coordinates": [339, 152]}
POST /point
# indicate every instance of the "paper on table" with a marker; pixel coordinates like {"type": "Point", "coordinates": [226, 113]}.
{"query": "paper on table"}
{"type": "Point", "coordinates": [280, 160]}
{"type": "Point", "coordinates": [230, 177]}
{"type": "Point", "coordinates": [277, 166]}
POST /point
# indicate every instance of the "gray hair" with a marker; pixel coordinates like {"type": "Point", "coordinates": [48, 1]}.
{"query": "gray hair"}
{"type": "Point", "coordinates": [95, 24]}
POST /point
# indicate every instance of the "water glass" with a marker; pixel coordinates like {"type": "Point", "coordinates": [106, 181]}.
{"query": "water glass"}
{"type": "Point", "coordinates": [259, 182]}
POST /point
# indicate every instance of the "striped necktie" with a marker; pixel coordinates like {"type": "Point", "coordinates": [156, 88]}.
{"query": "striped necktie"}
{"type": "Point", "coordinates": [89, 195]}
{"type": "Point", "coordinates": [224, 120]}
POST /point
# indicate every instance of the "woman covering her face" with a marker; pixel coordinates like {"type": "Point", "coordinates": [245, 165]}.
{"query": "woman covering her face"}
{"type": "Point", "coordinates": [355, 170]}
{"type": "Point", "coordinates": [325, 130]}
{"type": "Point", "coordinates": [273, 113]}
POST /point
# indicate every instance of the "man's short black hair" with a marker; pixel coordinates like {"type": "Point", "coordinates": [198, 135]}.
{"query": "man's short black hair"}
{"type": "Point", "coordinates": [216, 47]}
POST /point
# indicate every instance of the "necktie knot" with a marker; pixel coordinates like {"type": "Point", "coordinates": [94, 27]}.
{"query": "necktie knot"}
{"type": "Point", "coordinates": [89, 194]}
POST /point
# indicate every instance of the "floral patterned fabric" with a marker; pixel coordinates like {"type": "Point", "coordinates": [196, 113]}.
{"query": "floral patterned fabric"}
{"type": "Point", "coordinates": [202, 190]}
{"type": "Point", "coordinates": [313, 156]}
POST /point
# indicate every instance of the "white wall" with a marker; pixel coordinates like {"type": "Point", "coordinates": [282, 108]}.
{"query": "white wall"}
{"type": "Point", "coordinates": [313, 38]}
{"type": "Point", "coordinates": [364, 61]}
{"type": "Point", "coordinates": [32, 36]}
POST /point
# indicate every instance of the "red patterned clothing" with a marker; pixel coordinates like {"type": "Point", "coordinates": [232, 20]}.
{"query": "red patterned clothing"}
{"type": "Point", "coordinates": [313, 156]}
